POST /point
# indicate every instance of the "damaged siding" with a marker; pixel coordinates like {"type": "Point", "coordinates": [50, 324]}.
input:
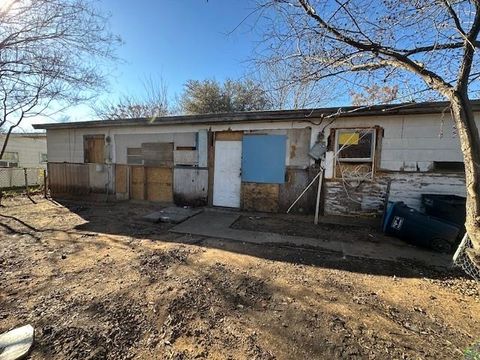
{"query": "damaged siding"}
{"type": "Point", "coordinates": [368, 198]}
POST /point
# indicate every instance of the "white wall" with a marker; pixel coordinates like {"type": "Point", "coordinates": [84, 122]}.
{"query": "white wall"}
{"type": "Point", "coordinates": [410, 142]}
{"type": "Point", "coordinates": [28, 148]}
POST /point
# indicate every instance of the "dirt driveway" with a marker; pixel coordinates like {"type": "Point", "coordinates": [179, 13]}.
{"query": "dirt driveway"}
{"type": "Point", "coordinates": [99, 283]}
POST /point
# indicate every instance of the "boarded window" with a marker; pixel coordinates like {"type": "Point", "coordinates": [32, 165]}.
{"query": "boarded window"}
{"type": "Point", "coordinates": [94, 149]}
{"type": "Point", "coordinates": [134, 156]}
{"type": "Point", "coordinates": [355, 145]}
{"type": "Point", "coordinates": [157, 154]}
{"type": "Point", "coordinates": [9, 159]}
{"type": "Point", "coordinates": [263, 158]}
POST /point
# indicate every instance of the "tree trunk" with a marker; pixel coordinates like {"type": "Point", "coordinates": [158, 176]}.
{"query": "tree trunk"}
{"type": "Point", "coordinates": [470, 144]}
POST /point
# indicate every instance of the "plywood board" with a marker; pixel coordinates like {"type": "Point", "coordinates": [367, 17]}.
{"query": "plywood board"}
{"type": "Point", "coordinates": [121, 178]}
{"type": "Point", "coordinates": [229, 135]}
{"type": "Point", "coordinates": [157, 154]}
{"type": "Point", "coordinates": [94, 149]}
{"type": "Point", "coordinates": [159, 184]}
{"type": "Point", "coordinates": [260, 197]}
{"type": "Point", "coordinates": [137, 183]}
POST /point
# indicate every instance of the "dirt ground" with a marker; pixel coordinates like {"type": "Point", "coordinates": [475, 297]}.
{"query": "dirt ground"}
{"type": "Point", "coordinates": [97, 282]}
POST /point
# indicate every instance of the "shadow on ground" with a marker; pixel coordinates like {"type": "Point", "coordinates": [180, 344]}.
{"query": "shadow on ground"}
{"type": "Point", "coordinates": [125, 219]}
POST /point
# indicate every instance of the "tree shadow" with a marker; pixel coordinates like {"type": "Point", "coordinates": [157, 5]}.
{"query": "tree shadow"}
{"type": "Point", "coordinates": [125, 219]}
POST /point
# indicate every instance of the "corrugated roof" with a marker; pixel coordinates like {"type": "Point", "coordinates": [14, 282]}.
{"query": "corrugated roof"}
{"type": "Point", "coordinates": [266, 116]}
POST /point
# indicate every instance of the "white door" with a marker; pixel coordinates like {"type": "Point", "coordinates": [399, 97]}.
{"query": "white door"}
{"type": "Point", "coordinates": [226, 177]}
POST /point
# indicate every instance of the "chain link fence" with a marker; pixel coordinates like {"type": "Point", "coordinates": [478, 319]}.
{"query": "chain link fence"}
{"type": "Point", "coordinates": [21, 180]}
{"type": "Point", "coordinates": [464, 261]}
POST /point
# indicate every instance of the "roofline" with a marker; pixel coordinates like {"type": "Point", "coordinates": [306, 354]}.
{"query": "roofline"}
{"type": "Point", "coordinates": [29, 134]}
{"type": "Point", "coordinates": [265, 116]}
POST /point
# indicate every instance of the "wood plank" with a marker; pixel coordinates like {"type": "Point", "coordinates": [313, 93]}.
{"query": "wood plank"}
{"type": "Point", "coordinates": [121, 178]}
{"type": "Point", "coordinates": [229, 135]}
{"type": "Point", "coordinates": [157, 154]}
{"type": "Point", "coordinates": [260, 197]}
{"type": "Point", "coordinates": [137, 182]}
{"type": "Point", "coordinates": [94, 149]}
{"type": "Point", "coordinates": [159, 184]}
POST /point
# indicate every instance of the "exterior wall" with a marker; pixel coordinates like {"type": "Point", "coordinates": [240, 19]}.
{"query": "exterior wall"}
{"type": "Point", "coordinates": [369, 197]}
{"type": "Point", "coordinates": [29, 149]}
{"type": "Point", "coordinates": [408, 147]}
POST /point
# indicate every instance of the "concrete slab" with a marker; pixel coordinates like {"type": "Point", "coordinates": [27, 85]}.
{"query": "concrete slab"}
{"type": "Point", "coordinates": [173, 214]}
{"type": "Point", "coordinates": [216, 224]}
{"type": "Point", "coordinates": [16, 344]}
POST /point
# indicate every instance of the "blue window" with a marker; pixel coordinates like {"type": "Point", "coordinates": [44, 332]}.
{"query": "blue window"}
{"type": "Point", "coordinates": [263, 158]}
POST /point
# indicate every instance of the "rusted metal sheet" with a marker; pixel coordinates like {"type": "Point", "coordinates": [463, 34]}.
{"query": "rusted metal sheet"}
{"type": "Point", "coordinates": [260, 197]}
{"type": "Point", "coordinates": [159, 182]}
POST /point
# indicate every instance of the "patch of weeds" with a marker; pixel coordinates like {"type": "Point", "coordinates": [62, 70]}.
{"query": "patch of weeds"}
{"type": "Point", "coordinates": [472, 352]}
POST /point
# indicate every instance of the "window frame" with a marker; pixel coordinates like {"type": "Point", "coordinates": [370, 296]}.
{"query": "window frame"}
{"type": "Point", "coordinates": [371, 159]}
{"type": "Point", "coordinates": [42, 161]}
{"type": "Point", "coordinates": [10, 163]}
{"type": "Point", "coordinates": [138, 156]}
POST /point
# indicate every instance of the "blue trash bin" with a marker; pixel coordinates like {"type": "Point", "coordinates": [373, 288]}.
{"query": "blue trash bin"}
{"type": "Point", "coordinates": [420, 229]}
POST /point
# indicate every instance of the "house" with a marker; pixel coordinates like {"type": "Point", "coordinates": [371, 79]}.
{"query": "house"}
{"type": "Point", "coordinates": [264, 160]}
{"type": "Point", "coordinates": [25, 150]}
{"type": "Point", "coordinates": [25, 154]}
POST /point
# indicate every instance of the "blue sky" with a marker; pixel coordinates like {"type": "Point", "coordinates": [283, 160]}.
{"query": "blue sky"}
{"type": "Point", "coordinates": [175, 40]}
{"type": "Point", "coordinates": [179, 40]}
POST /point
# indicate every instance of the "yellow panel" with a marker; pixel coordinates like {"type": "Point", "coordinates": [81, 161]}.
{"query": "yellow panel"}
{"type": "Point", "coordinates": [348, 138]}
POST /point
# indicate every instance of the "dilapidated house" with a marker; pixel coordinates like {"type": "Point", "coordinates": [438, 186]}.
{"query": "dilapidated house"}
{"type": "Point", "coordinates": [264, 160]}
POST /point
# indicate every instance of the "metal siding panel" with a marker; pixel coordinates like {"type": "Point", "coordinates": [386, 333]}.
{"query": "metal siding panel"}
{"type": "Point", "coordinates": [263, 159]}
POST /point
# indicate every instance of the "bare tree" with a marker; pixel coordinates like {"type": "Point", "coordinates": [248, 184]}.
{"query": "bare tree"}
{"type": "Point", "coordinates": [51, 51]}
{"type": "Point", "coordinates": [151, 104]}
{"type": "Point", "coordinates": [430, 41]}
{"type": "Point", "coordinates": [374, 94]}
{"type": "Point", "coordinates": [286, 90]}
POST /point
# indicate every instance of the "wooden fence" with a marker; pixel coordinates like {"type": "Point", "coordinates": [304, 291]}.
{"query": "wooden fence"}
{"type": "Point", "coordinates": [152, 183]}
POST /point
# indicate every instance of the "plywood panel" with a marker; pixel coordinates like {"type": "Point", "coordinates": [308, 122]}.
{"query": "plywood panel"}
{"type": "Point", "coordinates": [229, 135]}
{"type": "Point", "coordinates": [260, 197]}
{"type": "Point", "coordinates": [157, 154]}
{"type": "Point", "coordinates": [121, 178]}
{"type": "Point", "coordinates": [94, 149]}
{"type": "Point", "coordinates": [159, 184]}
{"type": "Point", "coordinates": [137, 186]}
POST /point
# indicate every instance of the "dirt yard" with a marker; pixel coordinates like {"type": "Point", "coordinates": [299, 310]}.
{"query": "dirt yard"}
{"type": "Point", "coordinates": [97, 282]}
